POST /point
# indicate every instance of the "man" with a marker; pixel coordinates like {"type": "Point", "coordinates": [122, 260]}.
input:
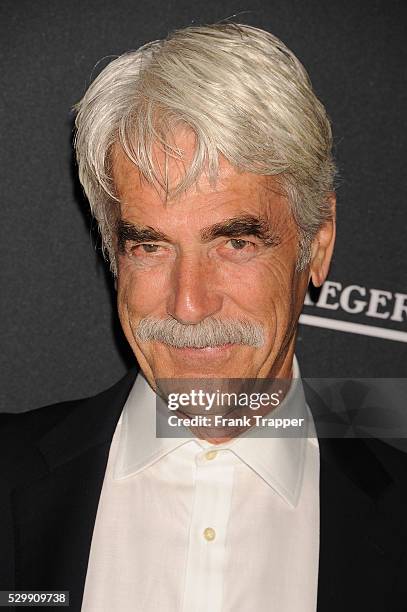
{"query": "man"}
{"type": "Point", "coordinates": [206, 159]}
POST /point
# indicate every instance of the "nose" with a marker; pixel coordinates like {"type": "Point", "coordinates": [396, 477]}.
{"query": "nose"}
{"type": "Point", "coordinates": [193, 295]}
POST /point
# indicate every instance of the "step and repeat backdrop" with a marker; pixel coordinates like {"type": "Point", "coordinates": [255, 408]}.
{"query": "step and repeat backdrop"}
{"type": "Point", "coordinates": [61, 338]}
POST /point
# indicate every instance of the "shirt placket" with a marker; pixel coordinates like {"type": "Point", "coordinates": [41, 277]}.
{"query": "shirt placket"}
{"type": "Point", "coordinates": [205, 569]}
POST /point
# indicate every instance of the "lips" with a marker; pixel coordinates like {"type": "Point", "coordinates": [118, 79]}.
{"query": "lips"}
{"type": "Point", "coordinates": [201, 352]}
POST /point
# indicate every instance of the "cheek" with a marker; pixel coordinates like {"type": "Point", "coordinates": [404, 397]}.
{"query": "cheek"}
{"type": "Point", "coordinates": [262, 287]}
{"type": "Point", "coordinates": [140, 292]}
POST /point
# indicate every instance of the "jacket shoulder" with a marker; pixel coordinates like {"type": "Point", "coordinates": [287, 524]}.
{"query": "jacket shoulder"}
{"type": "Point", "coordinates": [20, 431]}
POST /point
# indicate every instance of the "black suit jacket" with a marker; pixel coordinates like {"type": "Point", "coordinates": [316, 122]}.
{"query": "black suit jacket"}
{"type": "Point", "coordinates": [53, 462]}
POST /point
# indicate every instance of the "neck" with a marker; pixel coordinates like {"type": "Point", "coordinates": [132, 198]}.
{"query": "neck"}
{"type": "Point", "coordinates": [284, 373]}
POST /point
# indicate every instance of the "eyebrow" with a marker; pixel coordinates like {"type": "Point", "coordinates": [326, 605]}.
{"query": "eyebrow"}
{"type": "Point", "coordinates": [242, 225]}
{"type": "Point", "coordinates": [130, 232]}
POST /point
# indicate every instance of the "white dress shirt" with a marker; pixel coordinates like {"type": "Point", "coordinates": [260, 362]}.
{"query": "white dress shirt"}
{"type": "Point", "coordinates": [181, 528]}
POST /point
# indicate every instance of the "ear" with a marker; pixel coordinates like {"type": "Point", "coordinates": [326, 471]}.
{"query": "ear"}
{"type": "Point", "coordinates": [323, 246]}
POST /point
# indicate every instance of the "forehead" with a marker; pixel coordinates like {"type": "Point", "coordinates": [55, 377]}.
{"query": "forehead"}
{"type": "Point", "coordinates": [231, 187]}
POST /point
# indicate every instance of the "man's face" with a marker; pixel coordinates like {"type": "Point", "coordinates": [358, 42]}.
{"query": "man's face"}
{"type": "Point", "coordinates": [226, 252]}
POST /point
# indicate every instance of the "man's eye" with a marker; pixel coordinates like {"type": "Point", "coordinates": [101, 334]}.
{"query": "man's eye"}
{"type": "Point", "coordinates": [237, 250]}
{"type": "Point", "coordinates": [238, 244]}
{"type": "Point", "coordinates": [144, 248]}
{"type": "Point", "coordinates": [150, 248]}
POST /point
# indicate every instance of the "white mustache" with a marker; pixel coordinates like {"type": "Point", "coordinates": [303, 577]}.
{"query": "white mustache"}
{"type": "Point", "coordinates": [206, 333]}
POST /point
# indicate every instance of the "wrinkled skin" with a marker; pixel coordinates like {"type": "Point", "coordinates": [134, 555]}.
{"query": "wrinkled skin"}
{"type": "Point", "coordinates": [190, 279]}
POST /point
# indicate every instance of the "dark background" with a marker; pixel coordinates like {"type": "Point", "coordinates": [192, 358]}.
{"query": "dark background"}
{"type": "Point", "coordinates": [59, 332]}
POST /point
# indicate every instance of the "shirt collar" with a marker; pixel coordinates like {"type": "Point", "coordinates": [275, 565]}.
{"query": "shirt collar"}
{"type": "Point", "coordinates": [279, 461]}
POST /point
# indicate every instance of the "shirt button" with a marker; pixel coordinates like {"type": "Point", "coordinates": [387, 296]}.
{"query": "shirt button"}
{"type": "Point", "coordinates": [211, 454]}
{"type": "Point", "coordinates": [209, 534]}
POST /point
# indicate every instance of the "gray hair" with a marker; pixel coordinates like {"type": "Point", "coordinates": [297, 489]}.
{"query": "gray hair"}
{"type": "Point", "coordinates": [243, 93]}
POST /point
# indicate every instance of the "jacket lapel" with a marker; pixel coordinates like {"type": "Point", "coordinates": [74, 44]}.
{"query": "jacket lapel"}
{"type": "Point", "coordinates": [55, 508]}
